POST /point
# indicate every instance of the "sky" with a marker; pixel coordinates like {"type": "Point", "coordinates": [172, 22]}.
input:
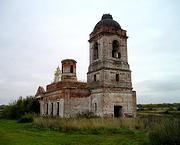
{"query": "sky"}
{"type": "Point", "coordinates": [35, 35]}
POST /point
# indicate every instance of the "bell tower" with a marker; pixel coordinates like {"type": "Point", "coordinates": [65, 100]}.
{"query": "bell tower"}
{"type": "Point", "coordinates": [109, 75]}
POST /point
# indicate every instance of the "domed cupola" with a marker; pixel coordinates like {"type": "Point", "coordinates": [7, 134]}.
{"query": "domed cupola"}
{"type": "Point", "coordinates": [107, 21]}
{"type": "Point", "coordinates": [107, 26]}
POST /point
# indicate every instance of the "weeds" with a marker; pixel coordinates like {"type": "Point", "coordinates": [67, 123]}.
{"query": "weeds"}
{"type": "Point", "coordinates": [160, 130]}
{"type": "Point", "coordinates": [93, 124]}
{"type": "Point", "coordinates": [167, 132]}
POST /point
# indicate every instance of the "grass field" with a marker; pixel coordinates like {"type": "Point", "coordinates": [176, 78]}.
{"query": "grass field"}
{"type": "Point", "coordinates": [165, 110]}
{"type": "Point", "coordinates": [156, 124]}
{"type": "Point", "coordinates": [13, 133]}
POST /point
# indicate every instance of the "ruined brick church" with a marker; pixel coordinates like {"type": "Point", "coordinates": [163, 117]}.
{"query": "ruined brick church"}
{"type": "Point", "coordinates": [108, 91]}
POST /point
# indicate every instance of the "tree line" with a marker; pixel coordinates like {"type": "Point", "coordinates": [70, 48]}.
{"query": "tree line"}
{"type": "Point", "coordinates": [20, 107]}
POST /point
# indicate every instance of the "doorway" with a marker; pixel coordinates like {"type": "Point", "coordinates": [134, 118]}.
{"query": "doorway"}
{"type": "Point", "coordinates": [118, 111]}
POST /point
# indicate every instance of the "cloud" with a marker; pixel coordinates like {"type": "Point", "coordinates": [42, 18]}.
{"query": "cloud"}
{"type": "Point", "coordinates": [36, 35]}
{"type": "Point", "coordinates": [162, 89]}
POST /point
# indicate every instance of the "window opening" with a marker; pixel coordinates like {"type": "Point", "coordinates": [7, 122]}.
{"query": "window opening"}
{"type": "Point", "coordinates": [71, 69]}
{"type": "Point", "coordinates": [51, 108]}
{"type": "Point", "coordinates": [115, 48]}
{"type": "Point", "coordinates": [95, 51]}
{"type": "Point", "coordinates": [95, 77]}
{"type": "Point", "coordinates": [95, 107]}
{"type": "Point", "coordinates": [117, 77]}
{"type": "Point", "coordinates": [47, 109]}
{"type": "Point", "coordinates": [58, 108]}
{"type": "Point", "coordinates": [119, 55]}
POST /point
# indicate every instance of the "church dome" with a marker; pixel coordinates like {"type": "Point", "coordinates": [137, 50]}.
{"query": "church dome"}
{"type": "Point", "coordinates": [107, 21]}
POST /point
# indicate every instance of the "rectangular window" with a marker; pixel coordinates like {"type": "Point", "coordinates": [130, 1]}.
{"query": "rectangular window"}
{"type": "Point", "coordinates": [95, 107]}
{"type": "Point", "coordinates": [95, 51]}
{"type": "Point", "coordinates": [119, 55]}
{"type": "Point", "coordinates": [113, 54]}
{"type": "Point", "coordinates": [47, 109]}
{"type": "Point", "coordinates": [51, 108]}
{"type": "Point", "coordinates": [117, 77]}
{"type": "Point", "coordinates": [71, 69]}
{"type": "Point", "coordinates": [58, 108]}
{"type": "Point", "coordinates": [95, 77]}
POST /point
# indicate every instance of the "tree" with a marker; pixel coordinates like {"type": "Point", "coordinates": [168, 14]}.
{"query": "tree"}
{"type": "Point", "coordinates": [18, 108]}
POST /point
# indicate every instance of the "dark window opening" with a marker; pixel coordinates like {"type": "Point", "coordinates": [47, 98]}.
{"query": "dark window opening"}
{"type": "Point", "coordinates": [62, 69]}
{"type": "Point", "coordinates": [71, 69]}
{"type": "Point", "coordinates": [95, 107]}
{"type": "Point", "coordinates": [95, 51]}
{"type": "Point", "coordinates": [47, 109]}
{"type": "Point", "coordinates": [115, 48]}
{"type": "Point", "coordinates": [113, 54]}
{"type": "Point", "coordinates": [58, 108]}
{"type": "Point", "coordinates": [95, 77]}
{"type": "Point", "coordinates": [51, 108]}
{"type": "Point", "coordinates": [119, 55]}
{"type": "Point", "coordinates": [117, 77]}
{"type": "Point", "coordinates": [118, 111]}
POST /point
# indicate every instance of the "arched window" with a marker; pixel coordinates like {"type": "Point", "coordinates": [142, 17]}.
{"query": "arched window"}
{"type": "Point", "coordinates": [95, 51]}
{"type": "Point", "coordinates": [115, 49]}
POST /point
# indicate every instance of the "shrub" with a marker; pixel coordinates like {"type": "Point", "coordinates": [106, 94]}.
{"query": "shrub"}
{"type": "Point", "coordinates": [18, 108]}
{"type": "Point", "coordinates": [170, 108]}
{"type": "Point", "coordinates": [178, 108]}
{"type": "Point", "coordinates": [166, 112]}
{"type": "Point", "coordinates": [87, 114]}
{"type": "Point", "coordinates": [26, 118]}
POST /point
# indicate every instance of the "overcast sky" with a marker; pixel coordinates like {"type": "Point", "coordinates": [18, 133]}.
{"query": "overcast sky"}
{"type": "Point", "coordinates": [35, 35]}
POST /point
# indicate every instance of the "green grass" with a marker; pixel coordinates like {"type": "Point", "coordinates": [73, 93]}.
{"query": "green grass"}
{"type": "Point", "coordinates": [13, 133]}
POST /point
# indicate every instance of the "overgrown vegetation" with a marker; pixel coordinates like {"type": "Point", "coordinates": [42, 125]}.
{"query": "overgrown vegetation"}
{"type": "Point", "coordinates": [87, 114]}
{"type": "Point", "coordinates": [156, 124]}
{"type": "Point", "coordinates": [178, 108]}
{"type": "Point", "coordinates": [13, 133]}
{"type": "Point", "coordinates": [166, 132]}
{"type": "Point", "coordinates": [28, 117]}
{"type": "Point", "coordinates": [164, 125]}
{"type": "Point", "coordinates": [164, 106]}
{"type": "Point", "coordinates": [20, 107]}
{"type": "Point", "coordinates": [159, 130]}
{"type": "Point", "coordinates": [84, 124]}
